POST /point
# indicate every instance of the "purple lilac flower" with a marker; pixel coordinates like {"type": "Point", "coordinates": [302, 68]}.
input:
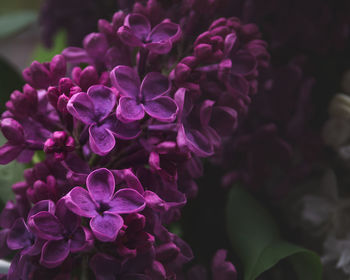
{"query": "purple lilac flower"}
{"type": "Point", "coordinates": [133, 238]}
{"type": "Point", "coordinates": [63, 233]}
{"type": "Point", "coordinates": [196, 134]}
{"type": "Point", "coordinates": [108, 267]}
{"type": "Point", "coordinates": [93, 108]}
{"type": "Point", "coordinates": [23, 103]}
{"type": "Point", "coordinates": [42, 75]}
{"type": "Point", "coordinates": [148, 96]}
{"type": "Point", "coordinates": [20, 237]}
{"type": "Point", "coordinates": [137, 32]}
{"type": "Point", "coordinates": [277, 126]}
{"type": "Point", "coordinates": [220, 269]}
{"type": "Point", "coordinates": [22, 142]}
{"type": "Point", "coordinates": [60, 144]}
{"type": "Point", "coordinates": [46, 180]}
{"type": "Point", "coordinates": [101, 204]}
{"type": "Point", "coordinates": [78, 113]}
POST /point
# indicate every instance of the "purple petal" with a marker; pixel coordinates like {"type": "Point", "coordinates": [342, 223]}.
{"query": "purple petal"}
{"type": "Point", "coordinates": [43, 205]}
{"type": "Point", "coordinates": [237, 85]}
{"type": "Point", "coordinates": [128, 37]}
{"type": "Point", "coordinates": [101, 184]}
{"type": "Point", "coordinates": [76, 55]}
{"type": "Point", "coordinates": [230, 42]}
{"type": "Point", "coordinates": [243, 63]}
{"type": "Point", "coordinates": [153, 85]}
{"type": "Point", "coordinates": [165, 31]}
{"type": "Point", "coordinates": [16, 269]}
{"type": "Point", "coordinates": [126, 201]}
{"type": "Point", "coordinates": [162, 47]}
{"type": "Point", "coordinates": [19, 236]}
{"type": "Point", "coordinates": [163, 109]}
{"type": "Point", "coordinates": [101, 140]}
{"type": "Point", "coordinates": [103, 99]}
{"type": "Point", "coordinates": [183, 102]}
{"type": "Point", "coordinates": [12, 130]}
{"type": "Point", "coordinates": [222, 269]}
{"type": "Point", "coordinates": [155, 202]}
{"type": "Point", "coordinates": [105, 267]}
{"type": "Point", "coordinates": [78, 240]}
{"type": "Point", "coordinates": [224, 120]}
{"type": "Point", "coordinates": [96, 45]}
{"type": "Point", "coordinates": [46, 226]}
{"type": "Point", "coordinates": [122, 130]}
{"type": "Point", "coordinates": [54, 253]}
{"type": "Point", "coordinates": [82, 108]}
{"type": "Point", "coordinates": [205, 112]}
{"type": "Point", "coordinates": [117, 56]}
{"type": "Point", "coordinates": [194, 141]}
{"type": "Point", "coordinates": [79, 201]}
{"type": "Point", "coordinates": [129, 110]}
{"type": "Point", "coordinates": [139, 25]}
{"type": "Point", "coordinates": [126, 80]}
{"type": "Point", "coordinates": [4, 250]}
{"type": "Point", "coordinates": [106, 227]}
{"type": "Point", "coordinates": [9, 152]}
{"type": "Point", "coordinates": [9, 214]}
{"type": "Point", "coordinates": [25, 156]}
{"type": "Point", "coordinates": [130, 179]}
{"type": "Point", "coordinates": [69, 220]}
{"type": "Point", "coordinates": [34, 249]}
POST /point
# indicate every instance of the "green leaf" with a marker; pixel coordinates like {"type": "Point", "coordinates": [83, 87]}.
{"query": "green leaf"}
{"type": "Point", "coordinates": [256, 239]}
{"type": "Point", "coordinates": [9, 174]}
{"type": "Point", "coordinates": [10, 80]}
{"type": "Point", "coordinates": [42, 54]}
{"type": "Point", "coordinates": [15, 22]}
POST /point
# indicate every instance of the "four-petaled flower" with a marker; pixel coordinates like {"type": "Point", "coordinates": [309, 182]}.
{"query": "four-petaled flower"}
{"type": "Point", "coordinates": [94, 109]}
{"type": "Point", "coordinates": [136, 32]}
{"type": "Point", "coordinates": [101, 204]}
{"type": "Point", "coordinates": [148, 96]}
{"type": "Point", "coordinates": [63, 233]}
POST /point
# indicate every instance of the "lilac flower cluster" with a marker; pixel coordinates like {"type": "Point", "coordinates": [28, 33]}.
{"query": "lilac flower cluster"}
{"type": "Point", "coordinates": [123, 139]}
{"type": "Point", "coordinates": [275, 133]}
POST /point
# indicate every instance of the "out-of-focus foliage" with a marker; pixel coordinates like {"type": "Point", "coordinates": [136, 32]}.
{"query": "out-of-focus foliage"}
{"type": "Point", "coordinates": [14, 22]}
{"type": "Point", "coordinates": [256, 239]}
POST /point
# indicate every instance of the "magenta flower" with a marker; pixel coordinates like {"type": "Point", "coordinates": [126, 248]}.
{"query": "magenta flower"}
{"type": "Point", "coordinates": [94, 109]}
{"type": "Point", "coordinates": [21, 141]}
{"type": "Point", "coordinates": [201, 130]}
{"type": "Point", "coordinates": [42, 75]}
{"type": "Point", "coordinates": [137, 32]}
{"type": "Point", "coordinates": [221, 268]}
{"type": "Point", "coordinates": [63, 233]}
{"type": "Point", "coordinates": [101, 204]}
{"type": "Point", "coordinates": [148, 96]}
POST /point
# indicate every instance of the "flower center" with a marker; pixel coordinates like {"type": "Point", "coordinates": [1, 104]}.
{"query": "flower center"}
{"type": "Point", "coordinates": [103, 207]}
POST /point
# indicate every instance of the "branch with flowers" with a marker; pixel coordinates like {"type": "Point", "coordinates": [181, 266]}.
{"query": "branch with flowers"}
{"type": "Point", "coordinates": [122, 133]}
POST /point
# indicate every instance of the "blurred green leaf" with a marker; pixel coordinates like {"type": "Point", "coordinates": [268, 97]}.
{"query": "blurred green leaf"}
{"type": "Point", "coordinates": [10, 80]}
{"type": "Point", "coordinates": [256, 239]}
{"type": "Point", "coordinates": [15, 22]}
{"type": "Point", "coordinates": [42, 54]}
{"type": "Point", "coordinates": [38, 157]}
{"type": "Point", "coordinates": [9, 174]}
